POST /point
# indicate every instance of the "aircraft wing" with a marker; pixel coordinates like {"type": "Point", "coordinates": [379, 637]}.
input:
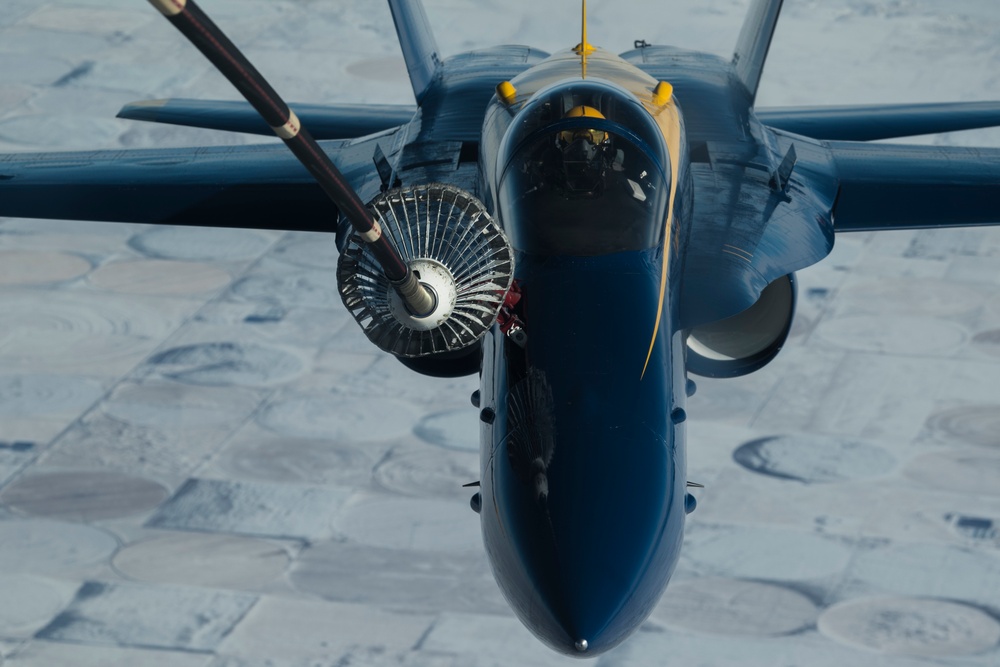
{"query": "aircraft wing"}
{"type": "Point", "coordinates": [256, 186]}
{"type": "Point", "coordinates": [265, 186]}
{"type": "Point", "coordinates": [887, 121]}
{"type": "Point", "coordinates": [341, 121]}
{"type": "Point", "coordinates": [885, 186]}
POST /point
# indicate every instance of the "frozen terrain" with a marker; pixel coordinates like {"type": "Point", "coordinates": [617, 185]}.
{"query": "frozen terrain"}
{"type": "Point", "coordinates": [189, 477]}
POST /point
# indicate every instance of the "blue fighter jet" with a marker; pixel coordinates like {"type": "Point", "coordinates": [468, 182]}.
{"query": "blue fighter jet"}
{"type": "Point", "coordinates": [584, 230]}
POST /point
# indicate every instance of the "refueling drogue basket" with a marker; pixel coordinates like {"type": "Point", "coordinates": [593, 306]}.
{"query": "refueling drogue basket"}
{"type": "Point", "coordinates": [445, 235]}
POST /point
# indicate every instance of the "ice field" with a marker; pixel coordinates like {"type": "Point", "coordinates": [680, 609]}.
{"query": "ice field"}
{"type": "Point", "coordinates": [204, 463]}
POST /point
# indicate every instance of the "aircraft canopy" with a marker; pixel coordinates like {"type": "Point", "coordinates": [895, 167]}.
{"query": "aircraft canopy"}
{"type": "Point", "coordinates": [585, 173]}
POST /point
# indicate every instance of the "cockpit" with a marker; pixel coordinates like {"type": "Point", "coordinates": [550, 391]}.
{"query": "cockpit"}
{"type": "Point", "coordinates": [585, 172]}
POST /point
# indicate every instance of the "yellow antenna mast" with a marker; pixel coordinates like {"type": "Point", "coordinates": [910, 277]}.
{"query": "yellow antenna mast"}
{"type": "Point", "coordinates": [583, 48]}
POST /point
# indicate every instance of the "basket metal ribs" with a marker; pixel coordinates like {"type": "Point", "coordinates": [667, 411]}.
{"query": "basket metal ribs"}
{"type": "Point", "coordinates": [446, 236]}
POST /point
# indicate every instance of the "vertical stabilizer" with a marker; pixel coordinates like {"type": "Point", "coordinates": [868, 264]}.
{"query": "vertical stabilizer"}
{"type": "Point", "coordinates": [420, 50]}
{"type": "Point", "coordinates": [754, 41]}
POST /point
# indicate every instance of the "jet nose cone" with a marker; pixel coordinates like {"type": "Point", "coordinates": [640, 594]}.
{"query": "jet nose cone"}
{"type": "Point", "coordinates": [583, 491]}
{"type": "Point", "coordinates": [594, 615]}
{"type": "Point", "coordinates": [590, 555]}
{"type": "Point", "coordinates": [582, 604]}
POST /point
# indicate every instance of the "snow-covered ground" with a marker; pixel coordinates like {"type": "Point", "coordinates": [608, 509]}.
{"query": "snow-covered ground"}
{"type": "Point", "coordinates": [186, 480]}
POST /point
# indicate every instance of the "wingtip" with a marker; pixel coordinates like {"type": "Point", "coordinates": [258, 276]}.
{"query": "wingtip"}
{"type": "Point", "coordinates": [146, 106]}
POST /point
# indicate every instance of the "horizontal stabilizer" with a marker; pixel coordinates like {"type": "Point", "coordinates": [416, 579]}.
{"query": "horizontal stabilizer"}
{"type": "Point", "coordinates": [884, 186]}
{"type": "Point", "coordinates": [417, 41]}
{"type": "Point", "coordinates": [872, 122]}
{"type": "Point", "coordinates": [342, 121]}
{"type": "Point", "coordinates": [754, 42]}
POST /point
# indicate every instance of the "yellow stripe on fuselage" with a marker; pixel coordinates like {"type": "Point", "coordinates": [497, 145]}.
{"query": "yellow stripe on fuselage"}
{"type": "Point", "coordinates": [604, 65]}
{"type": "Point", "coordinates": [669, 121]}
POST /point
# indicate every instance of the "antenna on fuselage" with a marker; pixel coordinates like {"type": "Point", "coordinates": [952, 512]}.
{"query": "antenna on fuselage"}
{"type": "Point", "coordinates": [583, 48]}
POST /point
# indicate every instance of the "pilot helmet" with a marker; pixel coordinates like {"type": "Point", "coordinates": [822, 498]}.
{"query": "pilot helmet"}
{"type": "Point", "coordinates": [595, 137]}
{"type": "Point", "coordinates": [583, 153]}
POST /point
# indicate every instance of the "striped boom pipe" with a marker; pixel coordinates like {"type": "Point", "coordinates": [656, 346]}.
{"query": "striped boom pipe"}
{"type": "Point", "coordinates": [201, 31]}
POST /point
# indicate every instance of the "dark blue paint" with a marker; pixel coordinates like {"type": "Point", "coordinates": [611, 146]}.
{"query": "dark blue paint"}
{"type": "Point", "coordinates": [892, 187]}
{"type": "Point", "coordinates": [584, 475]}
{"type": "Point", "coordinates": [344, 121]}
{"type": "Point", "coordinates": [583, 468]}
{"type": "Point", "coordinates": [690, 503]}
{"type": "Point", "coordinates": [872, 122]}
